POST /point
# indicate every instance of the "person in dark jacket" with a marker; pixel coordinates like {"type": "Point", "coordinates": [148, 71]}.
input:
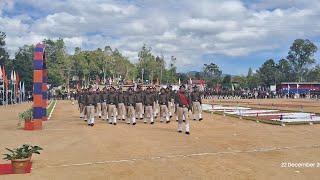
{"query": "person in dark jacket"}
{"type": "Point", "coordinates": [196, 103]}
{"type": "Point", "coordinates": [130, 103]}
{"type": "Point", "coordinates": [148, 102]}
{"type": "Point", "coordinates": [90, 102]}
{"type": "Point", "coordinates": [112, 106]}
{"type": "Point", "coordinates": [163, 100]}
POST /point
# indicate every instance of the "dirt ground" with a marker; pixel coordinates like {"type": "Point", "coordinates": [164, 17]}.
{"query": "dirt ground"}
{"type": "Point", "coordinates": [286, 104]}
{"type": "Point", "coordinates": [218, 148]}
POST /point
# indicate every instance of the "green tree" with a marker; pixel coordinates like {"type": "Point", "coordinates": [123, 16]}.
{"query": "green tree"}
{"type": "Point", "coordinates": [4, 55]}
{"type": "Point", "coordinates": [212, 74]}
{"type": "Point", "coordinates": [58, 62]}
{"type": "Point", "coordinates": [227, 81]}
{"type": "Point", "coordinates": [314, 74]}
{"type": "Point", "coordinates": [267, 73]}
{"type": "Point", "coordinates": [300, 57]}
{"type": "Point", "coordinates": [23, 64]}
{"type": "Point", "coordinates": [284, 71]}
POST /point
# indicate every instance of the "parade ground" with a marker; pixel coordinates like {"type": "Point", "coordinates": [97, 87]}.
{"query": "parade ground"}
{"type": "Point", "coordinates": [219, 147]}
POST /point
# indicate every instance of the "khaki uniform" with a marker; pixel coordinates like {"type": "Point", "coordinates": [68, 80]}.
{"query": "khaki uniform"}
{"type": "Point", "coordinates": [112, 107]}
{"type": "Point", "coordinates": [72, 95]}
{"type": "Point", "coordinates": [171, 107]}
{"type": "Point", "coordinates": [90, 104]}
{"type": "Point", "coordinates": [121, 106]}
{"type": "Point", "coordinates": [130, 103]}
{"type": "Point", "coordinates": [163, 100]}
{"type": "Point", "coordinates": [183, 109]}
{"type": "Point", "coordinates": [79, 99]}
{"type": "Point", "coordinates": [139, 104]}
{"type": "Point", "coordinates": [104, 105]}
{"type": "Point", "coordinates": [98, 107]}
{"type": "Point", "coordinates": [155, 104]}
{"type": "Point", "coordinates": [196, 105]}
{"type": "Point", "coordinates": [84, 109]}
{"type": "Point", "coordinates": [148, 102]}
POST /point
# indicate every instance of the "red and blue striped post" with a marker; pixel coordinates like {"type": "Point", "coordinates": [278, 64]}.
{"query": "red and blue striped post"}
{"type": "Point", "coordinates": [39, 90]}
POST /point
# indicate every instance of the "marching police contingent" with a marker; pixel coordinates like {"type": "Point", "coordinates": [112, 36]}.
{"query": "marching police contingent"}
{"type": "Point", "coordinates": [115, 105]}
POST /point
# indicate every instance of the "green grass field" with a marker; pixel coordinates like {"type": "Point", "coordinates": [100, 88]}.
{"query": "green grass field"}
{"type": "Point", "coordinates": [49, 109]}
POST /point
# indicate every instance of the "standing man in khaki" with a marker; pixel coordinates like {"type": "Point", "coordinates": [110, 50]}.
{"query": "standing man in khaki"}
{"type": "Point", "coordinates": [98, 101]}
{"type": "Point", "coordinates": [155, 103]}
{"type": "Point", "coordinates": [163, 100]}
{"type": "Point", "coordinates": [130, 102]}
{"type": "Point", "coordinates": [183, 106]}
{"type": "Point", "coordinates": [112, 106]}
{"type": "Point", "coordinates": [139, 103]}
{"type": "Point", "coordinates": [171, 101]}
{"type": "Point", "coordinates": [104, 103]}
{"type": "Point", "coordinates": [148, 102]}
{"type": "Point", "coordinates": [84, 106]}
{"type": "Point", "coordinates": [121, 106]}
{"type": "Point", "coordinates": [196, 103]}
{"type": "Point", "coordinates": [90, 104]}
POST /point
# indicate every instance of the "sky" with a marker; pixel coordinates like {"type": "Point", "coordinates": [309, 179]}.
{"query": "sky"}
{"type": "Point", "coordinates": [233, 34]}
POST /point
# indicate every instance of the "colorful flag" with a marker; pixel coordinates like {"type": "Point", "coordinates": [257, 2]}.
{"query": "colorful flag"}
{"type": "Point", "coordinates": [190, 81]}
{"type": "Point", "coordinates": [18, 77]}
{"type": "Point", "coordinates": [7, 83]}
{"type": "Point", "coordinates": [11, 76]}
{"type": "Point", "coordinates": [3, 73]}
{"type": "Point", "coordinates": [78, 87]}
{"type": "Point", "coordinates": [14, 76]}
{"type": "Point", "coordinates": [179, 81]}
{"type": "Point", "coordinates": [0, 73]}
{"type": "Point", "coordinates": [157, 81]}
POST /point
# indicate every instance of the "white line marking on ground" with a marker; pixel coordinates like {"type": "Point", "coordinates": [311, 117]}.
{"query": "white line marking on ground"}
{"type": "Point", "coordinates": [182, 156]}
{"type": "Point", "coordinates": [54, 106]}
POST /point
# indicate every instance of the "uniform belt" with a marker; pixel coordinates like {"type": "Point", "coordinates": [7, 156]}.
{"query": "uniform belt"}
{"type": "Point", "coordinates": [104, 100]}
{"type": "Point", "coordinates": [148, 105]}
{"type": "Point", "coordinates": [130, 105]}
{"type": "Point", "coordinates": [196, 100]}
{"type": "Point", "coordinates": [182, 106]}
{"type": "Point", "coordinates": [139, 102]}
{"type": "Point", "coordinates": [163, 103]}
{"type": "Point", "coordinates": [111, 103]}
{"type": "Point", "coordinates": [90, 105]}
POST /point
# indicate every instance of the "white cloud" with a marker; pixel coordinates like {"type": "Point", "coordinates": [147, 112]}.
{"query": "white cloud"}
{"type": "Point", "coordinates": [188, 30]}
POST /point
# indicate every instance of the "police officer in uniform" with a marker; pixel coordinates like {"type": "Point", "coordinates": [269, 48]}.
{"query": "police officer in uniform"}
{"type": "Point", "coordinates": [84, 106]}
{"type": "Point", "coordinates": [104, 103]}
{"type": "Point", "coordinates": [155, 97]}
{"type": "Point", "coordinates": [196, 103]}
{"type": "Point", "coordinates": [130, 102]}
{"type": "Point", "coordinates": [148, 102]}
{"type": "Point", "coordinates": [80, 103]}
{"type": "Point", "coordinates": [183, 106]}
{"type": "Point", "coordinates": [139, 103]}
{"type": "Point", "coordinates": [163, 100]}
{"type": "Point", "coordinates": [112, 106]}
{"type": "Point", "coordinates": [98, 101]}
{"type": "Point", "coordinates": [121, 106]}
{"type": "Point", "coordinates": [90, 105]}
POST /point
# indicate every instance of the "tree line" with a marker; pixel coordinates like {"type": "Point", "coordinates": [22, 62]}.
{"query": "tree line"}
{"type": "Point", "coordinates": [85, 66]}
{"type": "Point", "coordinates": [299, 66]}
